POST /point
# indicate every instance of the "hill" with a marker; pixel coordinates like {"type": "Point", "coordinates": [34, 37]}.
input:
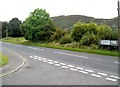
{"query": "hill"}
{"type": "Point", "coordinates": [66, 22]}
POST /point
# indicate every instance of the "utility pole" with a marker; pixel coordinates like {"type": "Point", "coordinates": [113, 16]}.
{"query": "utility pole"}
{"type": "Point", "coordinates": [119, 26]}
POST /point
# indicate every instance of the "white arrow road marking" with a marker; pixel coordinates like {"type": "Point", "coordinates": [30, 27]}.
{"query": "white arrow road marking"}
{"type": "Point", "coordinates": [111, 79]}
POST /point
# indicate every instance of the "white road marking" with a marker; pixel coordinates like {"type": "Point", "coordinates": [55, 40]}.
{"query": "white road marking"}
{"type": "Point", "coordinates": [104, 74]}
{"type": "Point", "coordinates": [17, 45]}
{"type": "Point", "coordinates": [96, 75]}
{"type": "Point", "coordinates": [116, 77]}
{"type": "Point", "coordinates": [89, 70]}
{"type": "Point", "coordinates": [73, 69]}
{"type": "Point", "coordinates": [55, 61]}
{"type": "Point", "coordinates": [117, 62]}
{"type": "Point", "coordinates": [62, 63]}
{"type": "Point", "coordinates": [7, 43]}
{"type": "Point", "coordinates": [50, 62]}
{"type": "Point", "coordinates": [29, 47]}
{"type": "Point", "coordinates": [70, 66]}
{"type": "Point", "coordinates": [35, 56]}
{"type": "Point", "coordinates": [40, 59]}
{"type": "Point", "coordinates": [31, 57]}
{"type": "Point", "coordinates": [81, 56]}
{"type": "Point", "coordinates": [83, 72]}
{"type": "Point", "coordinates": [71, 55]}
{"type": "Point", "coordinates": [57, 64]}
{"type": "Point", "coordinates": [111, 79]}
{"type": "Point", "coordinates": [64, 67]}
{"type": "Point", "coordinates": [79, 68]}
{"type": "Point", "coordinates": [45, 61]}
{"type": "Point", "coordinates": [44, 58]}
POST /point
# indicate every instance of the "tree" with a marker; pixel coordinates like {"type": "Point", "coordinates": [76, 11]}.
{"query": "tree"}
{"type": "Point", "coordinates": [58, 34]}
{"type": "Point", "coordinates": [104, 32]}
{"type": "Point", "coordinates": [79, 29]}
{"type": "Point", "coordinates": [14, 28]}
{"type": "Point", "coordinates": [38, 26]}
{"type": "Point", "coordinates": [5, 26]}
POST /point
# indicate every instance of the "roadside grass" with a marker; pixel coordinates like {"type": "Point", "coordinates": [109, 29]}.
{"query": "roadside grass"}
{"type": "Point", "coordinates": [3, 59]}
{"type": "Point", "coordinates": [22, 40]}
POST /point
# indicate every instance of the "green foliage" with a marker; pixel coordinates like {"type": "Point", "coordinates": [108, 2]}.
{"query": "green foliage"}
{"type": "Point", "coordinates": [88, 39]}
{"type": "Point", "coordinates": [3, 59]}
{"type": "Point", "coordinates": [65, 39]}
{"type": "Point", "coordinates": [14, 28]}
{"type": "Point", "coordinates": [38, 26]}
{"type": "Point", "coordinates": [5, 26]}
{"type": "Point", "coordinates": [79, 29]}
{"type": "Point", "coordinates": [58, 34]}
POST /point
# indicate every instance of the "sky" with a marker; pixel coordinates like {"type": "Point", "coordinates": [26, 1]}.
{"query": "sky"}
{"type": "Point", "coordinates": [94, 8]}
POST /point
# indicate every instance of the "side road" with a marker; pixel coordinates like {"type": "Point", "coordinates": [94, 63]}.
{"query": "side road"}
{"type": "Point", "coordinates": [16, 61]}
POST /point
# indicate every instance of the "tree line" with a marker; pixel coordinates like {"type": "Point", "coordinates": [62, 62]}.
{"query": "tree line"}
{"type": "Point", "coordinates": [40, 27]}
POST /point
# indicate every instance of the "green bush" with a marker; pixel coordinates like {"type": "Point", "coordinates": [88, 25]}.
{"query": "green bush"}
{"type": "Point", "coordinates": [88, 39]}
{"type": "Point", "coordinates": [65, 39]}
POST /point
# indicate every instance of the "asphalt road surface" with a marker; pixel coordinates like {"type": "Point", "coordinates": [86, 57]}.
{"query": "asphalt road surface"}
{"type": "Point", "coordinates": [47, 66]}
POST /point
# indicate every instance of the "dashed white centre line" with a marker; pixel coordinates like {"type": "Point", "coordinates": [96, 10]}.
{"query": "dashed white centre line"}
{"type": "Point", "coordinates": [79, 68]}
{"type": "Point", "coordinates": [81, 56]}
{"type": "Point", "coordinates": [116, 77]}
{"type": "Point", "coordinates": [57, 65]}
{"type": "Point", "coordinates": [104, 74]}
{"type": "Point", "coordinates": [50, 62]}
{"type": "Point", "coordinates": [73, 69]}
{"type": "Point", "coordinates": [55, 61]}
{"type": "Point", "coordinates": [96, 75]}
{"type": "Point", "coordinates": [64, 67]}
{"type": "Point", "coordinates": [71, 66]}
{"type": "Point", "coordinates": [35, 56]}
{"type": "Point", "coordinates": [31, 57]}
{"type": "Point", "coordinates": [111, 79]}
{"type": "Point", "coordinates": [83, 72]}
{"type": "Point", "coordinates": [40, 59]}
{"type": "Point", "coordinates": [17, 45]}
{"type": "Point", "coordinates": [62, 63]}
{"type": "Point", "coordinates": [89, 70]}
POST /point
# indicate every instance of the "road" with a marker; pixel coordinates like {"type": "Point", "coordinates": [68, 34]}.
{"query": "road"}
{"type": "Point", "coordinates": [47, 66]}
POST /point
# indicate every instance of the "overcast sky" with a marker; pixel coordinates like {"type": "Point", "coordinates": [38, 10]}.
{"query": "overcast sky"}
{"type": "Point", "coordinates": [94, 8]}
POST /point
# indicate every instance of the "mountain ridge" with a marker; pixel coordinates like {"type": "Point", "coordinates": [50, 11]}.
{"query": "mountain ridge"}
{"type": "Point", "coordinates": [66, 22]}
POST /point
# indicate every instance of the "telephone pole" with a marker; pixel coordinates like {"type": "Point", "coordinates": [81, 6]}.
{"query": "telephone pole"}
{"type": "Point", "coordinates": [119, 26]}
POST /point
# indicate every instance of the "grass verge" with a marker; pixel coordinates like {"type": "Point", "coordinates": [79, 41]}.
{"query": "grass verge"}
{"type": "Point", "coordinates": [3, 59]}
{"type": "Point", "coordinates": [21, 40]}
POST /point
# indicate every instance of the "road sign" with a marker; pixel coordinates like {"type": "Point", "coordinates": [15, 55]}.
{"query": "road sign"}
{"type": "Point", "coordinates": [109, 42]}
